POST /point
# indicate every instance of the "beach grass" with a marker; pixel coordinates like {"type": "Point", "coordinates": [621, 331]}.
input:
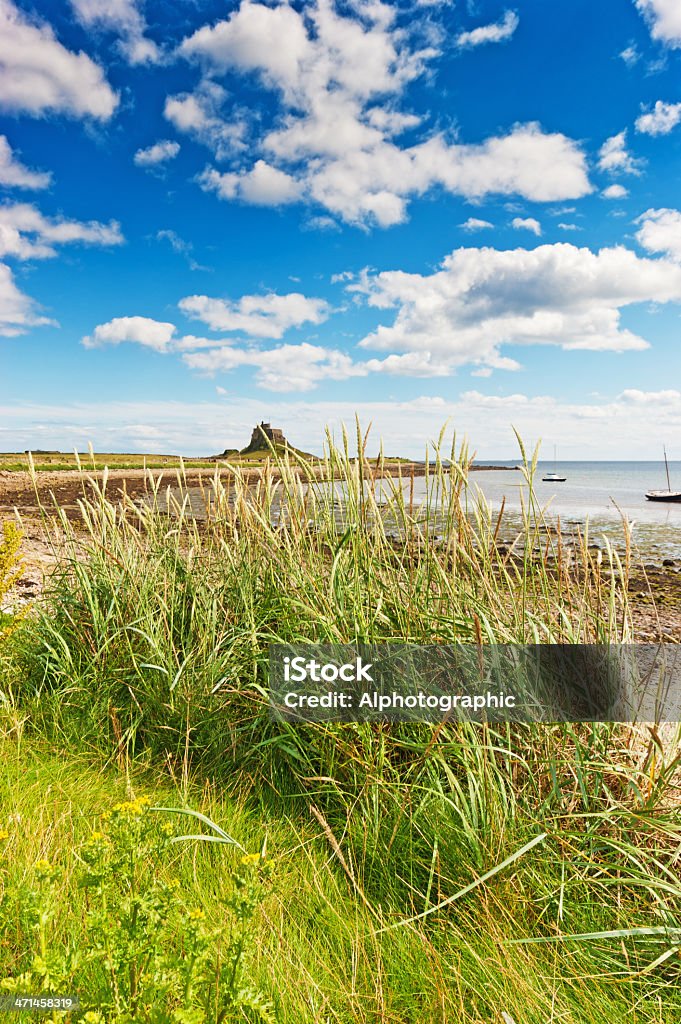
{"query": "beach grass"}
{"type": "Point", "coordinates": [449, 872]}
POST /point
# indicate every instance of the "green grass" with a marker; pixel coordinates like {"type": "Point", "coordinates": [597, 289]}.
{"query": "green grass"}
{"type": "Point", "coordinates": [99, 461]}
{"type": "Point", "coordinates": [315, 946]}
{"type": "Point", "coordinates": [408, 860]}
{"type": "Point", "coordinates": [44, 462]}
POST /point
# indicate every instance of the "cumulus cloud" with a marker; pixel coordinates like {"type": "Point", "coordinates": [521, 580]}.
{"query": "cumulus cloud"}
{"type": "Point", "coordinates": [17, 310]}
{"type": "Point", "coordinates": [475, 224]}
{"type": "Point", "coordinates": [124, 18]}
{"type": "Point", "coordinates": [142, 330]}
{"type": "Point", "coordinates": [259, 316]}
{"type": "Point", "coordinates": [660, 231]}
{"type": "Point", "coordinates": [336, 139]}
{"type": "Point", "coordinates": [375, 185]}
{"type": "Point", "coordinates": [200, 115]}
{"type": "Point", "coordinates": [615, 192]}
{"type": "Point", "coordinates": [25, 233]}
{"type": "Point", "coordinates": [13, 174]}
{"type": "Point", "coordinates": [614, 157]}
{"type": "Point", "coordinates": [263, 185]}
{"type": "Point", "coordinates": [495, 33]}
{"type": "Point", "coordinates": [159, 153]}
{"type": "Point", "coordinates": [664, 19]}
{"type": "Point", "coordinates": [660, 120]}
{"type": "Point", "coordinates": [483, 299]}
{"type": "Point", "coordinates": [286, 368]}
{"type": "Point", "coordinates": [526, 224]}
{"type": "Point", "coordinates": [38, 74]}
{"type": "Point", "coordinates": [669, 396]}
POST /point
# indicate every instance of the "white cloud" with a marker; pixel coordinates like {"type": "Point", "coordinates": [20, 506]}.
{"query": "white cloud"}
{"type": "Point", "coordinates": [526, 224]}
{"type": "Point", "coordinates": [615, 192]}
{"type": "Point", "coordinates": [652, 398]}
{"type": "Point", "coordinates": [474, 224]}
{"type": "Point", "coordinates": [660, 120]}
{"type": "Point", "coordinates": [630, 55]}
{"type": "Point", "coordinates": [660, 231]}
{"type": "Point", "coordinates": [496, 33]}
{"type": "Point", "coordinates": [199, 114]}
{"type": "Point", "coordinates": [375, 184]}
{"type": "Point", "coordinates": [159, 153]}
{"type": "Point", "coordinates": [263, 185]}
{"type": "Point", "coordinates": [259, 316]}
{"type": "Point", "coordinates": [336, 137]}
{"type": "Point", "coordinates": [597, 429]}
{"type": "Point", "coordinates": [614, 158]}
{"type": "Point", "coordinates": [569, 227]}
{"type": "Point", "coordinates": [25, 233]}
{"type": "Point", "coordinates": [17, 311]}
{"type": "Point", "coordinates": [139, 329]}
{"type": "Point", "coordinates": [38, 74]}
{"type": "Point", "coordinates": [124, 18]}
{"type": "Point", "coordinates": [13, 174]}
{"type": "Point", "coordinates": [192, 343]}
{"type": "Point", "coordinates": [180, 245]}
{"type": "Point", "coordinates": [286, 368]}
{"type": "Point", "coordinates": [664, 18]}
{"type": "Point", "coordinates": [482, 299]}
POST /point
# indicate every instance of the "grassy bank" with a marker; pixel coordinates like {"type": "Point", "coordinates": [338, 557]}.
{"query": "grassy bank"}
{"type": "Point", "coordinates": [414, 873]}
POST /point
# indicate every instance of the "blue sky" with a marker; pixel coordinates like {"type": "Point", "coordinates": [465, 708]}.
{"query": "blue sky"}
{"type": "Point", "coordinates": [213, 213]}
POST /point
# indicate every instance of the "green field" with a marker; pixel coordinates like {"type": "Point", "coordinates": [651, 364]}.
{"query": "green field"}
{"type": "Point", "coordinates": [345, 873]}
{"type": "Point", "coordinates": [44, 462]}
{"type": "Point", "coordinates": [53, 461]}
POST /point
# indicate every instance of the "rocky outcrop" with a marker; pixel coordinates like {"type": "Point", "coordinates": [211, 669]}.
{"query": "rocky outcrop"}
{"type": "Point", "coordinates": [263, 436]}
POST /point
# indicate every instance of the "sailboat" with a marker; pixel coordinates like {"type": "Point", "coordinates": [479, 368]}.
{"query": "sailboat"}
{"type": "Point", "coordinates": [555, 477]}
{"type": "Point", "coordinates": [669, 494]}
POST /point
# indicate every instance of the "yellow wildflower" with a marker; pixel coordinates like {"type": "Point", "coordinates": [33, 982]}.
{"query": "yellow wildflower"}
{"type": "Point", "coordinates": [132, 807]}
{"type": "Point", "coordinates": [251, 858]}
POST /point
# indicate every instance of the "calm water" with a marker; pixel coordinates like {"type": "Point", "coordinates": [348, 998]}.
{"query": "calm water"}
{"type": "Point", "coordinates": [595, 495]}
{"type": "Point", "coordinates": [600, 493]}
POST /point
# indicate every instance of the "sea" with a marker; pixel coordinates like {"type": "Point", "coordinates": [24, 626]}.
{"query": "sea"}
{"type": "Point", "coordinates": [596, 496]}
{"type": "Point", "coordinates": [595, 502]}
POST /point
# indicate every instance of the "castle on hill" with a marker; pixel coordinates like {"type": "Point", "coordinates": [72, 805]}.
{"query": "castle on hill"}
{"type": "Point", "coordinates": [262, 434]}
{"type": "Point", "coordinates": [264, 438]}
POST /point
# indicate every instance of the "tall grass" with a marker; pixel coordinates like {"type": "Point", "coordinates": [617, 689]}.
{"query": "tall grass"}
{"type": "Point", "coordinates": [151, 647]}
{"type": "Point", "coordinates": [155, 628]}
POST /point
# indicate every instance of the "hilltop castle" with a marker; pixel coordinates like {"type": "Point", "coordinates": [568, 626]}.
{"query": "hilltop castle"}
{"type": "Point", "coordinates": [262, 434]}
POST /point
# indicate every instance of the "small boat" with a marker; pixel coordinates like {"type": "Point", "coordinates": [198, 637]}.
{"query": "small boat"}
{"type": "Point", "coordinates": [669, 494]}
{"type": "Point", "coordinates": [555, 477]}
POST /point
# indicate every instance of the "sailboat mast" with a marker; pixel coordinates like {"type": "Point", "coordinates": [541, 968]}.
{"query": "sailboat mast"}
{"type": "Point", "coordinates": [666, 466]}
